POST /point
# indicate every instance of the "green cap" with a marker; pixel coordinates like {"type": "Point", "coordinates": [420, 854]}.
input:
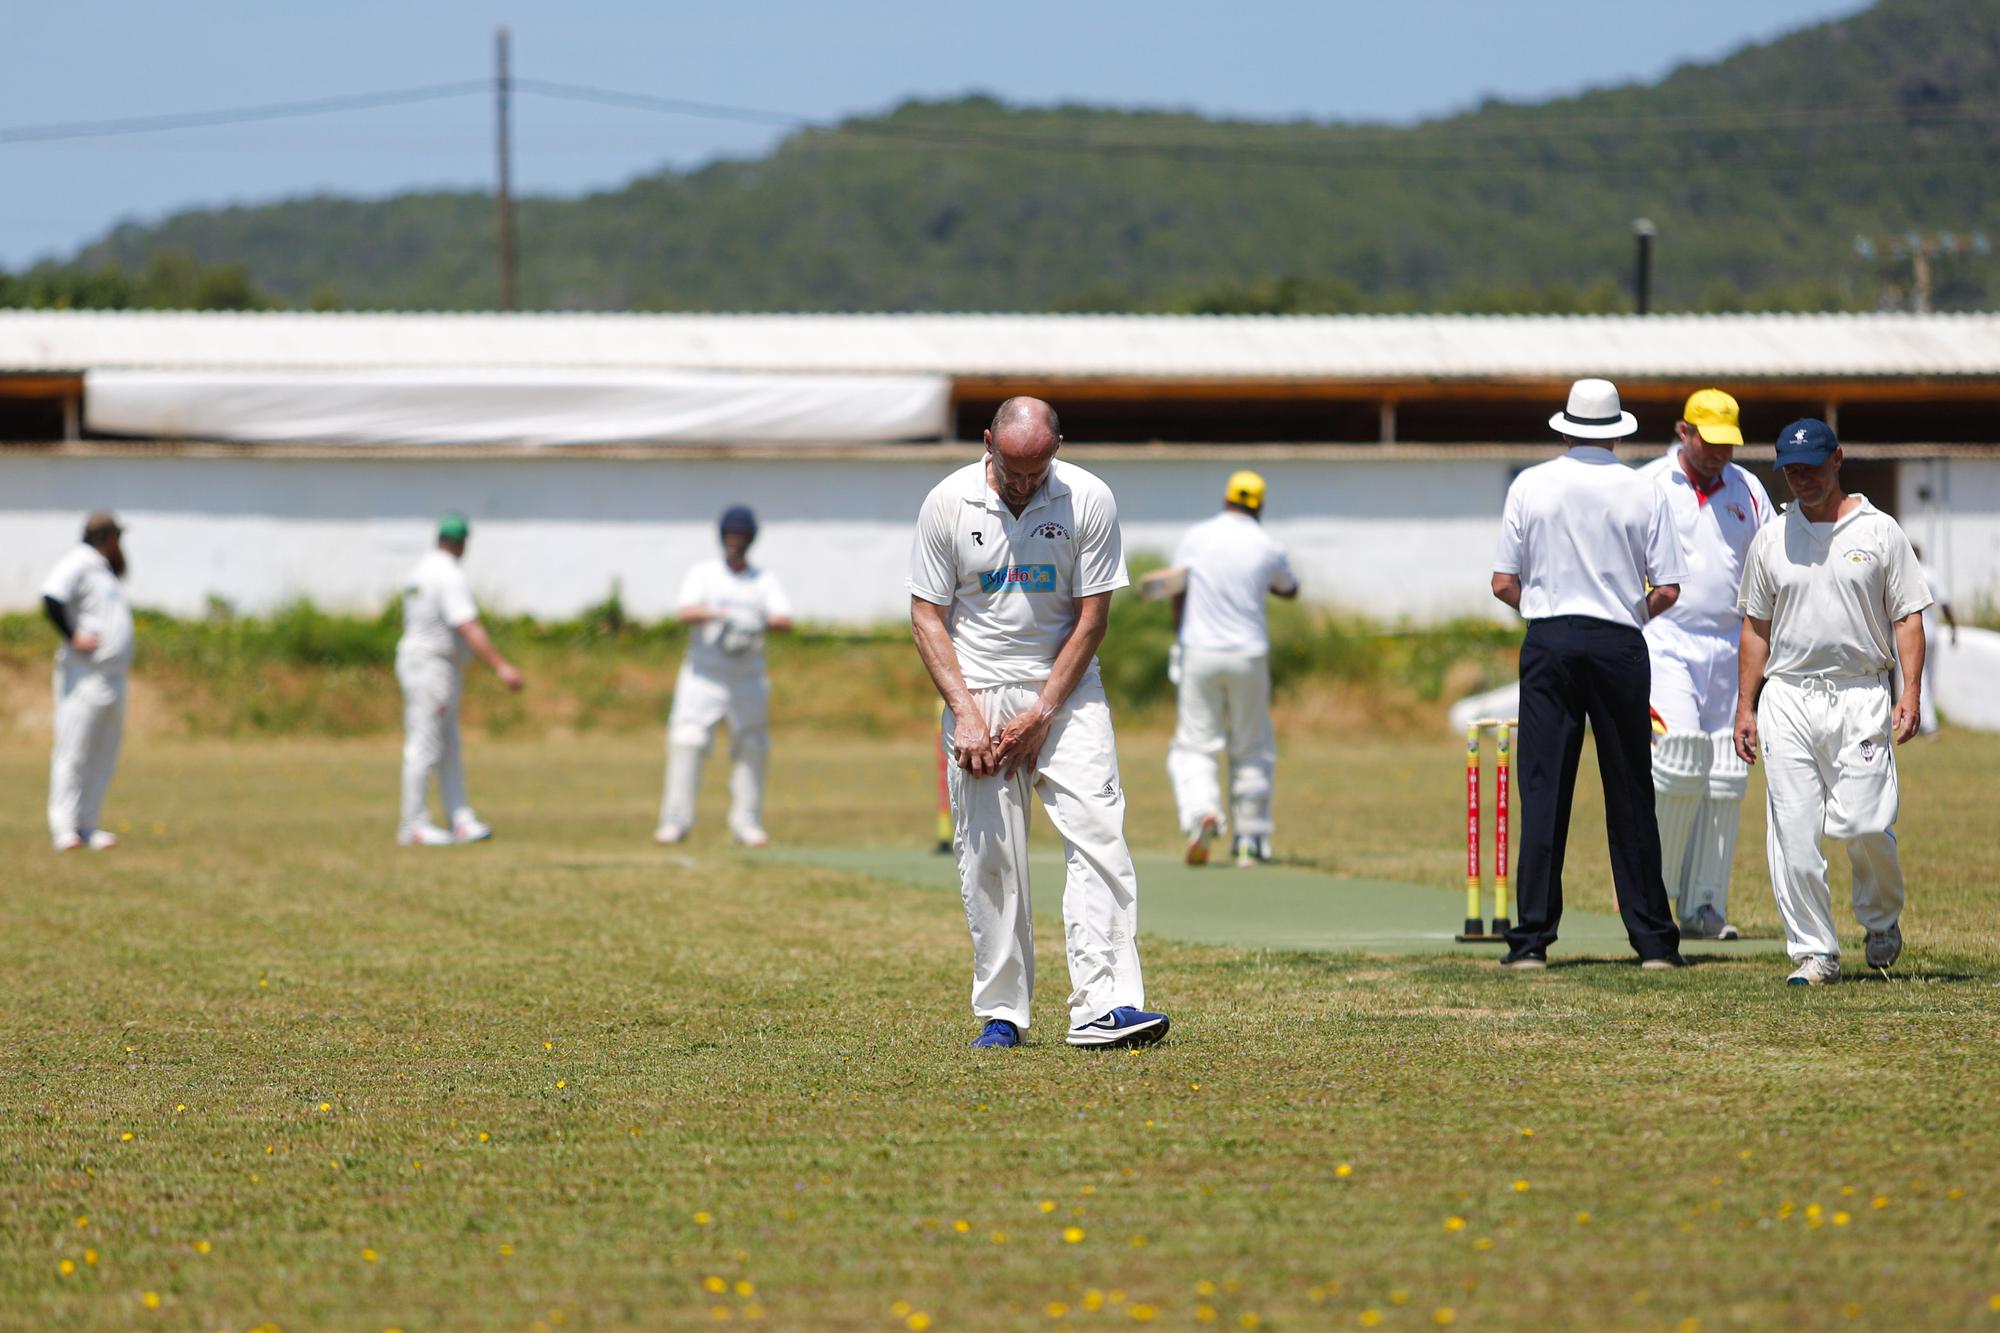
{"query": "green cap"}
{"type": "Point", "coordinates": [453, 528]}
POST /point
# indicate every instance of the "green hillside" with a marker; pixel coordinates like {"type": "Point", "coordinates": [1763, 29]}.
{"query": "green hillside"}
{"type": "Point", "coordinates": [1760, 171]}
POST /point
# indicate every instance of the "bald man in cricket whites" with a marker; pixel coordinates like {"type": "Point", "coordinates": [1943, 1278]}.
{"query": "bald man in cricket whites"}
{"type": "Point", "coordinates": [1698, 779]}
{"type": "Point", "coordinates": [1011, 574]}
{"type": "Point", "coordinates": [441, 632]}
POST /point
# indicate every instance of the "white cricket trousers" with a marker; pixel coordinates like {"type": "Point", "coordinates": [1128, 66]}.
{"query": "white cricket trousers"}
{"type": "Point", "coordinates": [1225, 703]}
{"type": "Point", "coordinates": [1076, 779]}
{"type": "Point", "coordinates": [1829, 770]}
{"type": "Point", "coordinates": [89, 725]}
{"type": "Point", "coordinates": [701, 704]}
{"type": "Point", "coordinates": [431, 690]}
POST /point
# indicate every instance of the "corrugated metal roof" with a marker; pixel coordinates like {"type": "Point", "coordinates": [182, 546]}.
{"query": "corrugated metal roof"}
{"type": "Point", "coordinates": [1170, 347]}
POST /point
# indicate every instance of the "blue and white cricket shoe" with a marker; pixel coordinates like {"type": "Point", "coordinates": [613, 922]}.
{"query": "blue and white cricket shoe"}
{"type": "Point", "coordinates": [999, 1032]}
{"type": "Point", "coordinates": [1123, 1026]}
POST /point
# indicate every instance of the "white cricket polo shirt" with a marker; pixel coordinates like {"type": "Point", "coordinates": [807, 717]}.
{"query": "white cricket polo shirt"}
{"type": "Point", "coordinates": [95, 601]}
{"type": "Point", "coordinates": [1586, 535]}
{"type": "Point", "coordinates": [1833, 591]}
{"type": "Point", "coordinates": [1012, 583]}
{"type": "Point", "coordinates": [436, 601]}
{"type": "Point", "coordinates": [1232, 564]}
{"type": "Point", "coordinates": [755, 591]}
{"type": "Point", "coordinates": [1715, 527]}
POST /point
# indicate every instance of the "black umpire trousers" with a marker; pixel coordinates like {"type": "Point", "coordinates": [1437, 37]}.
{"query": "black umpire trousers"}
{"type": "Point", "coordinates": [1573, 669]}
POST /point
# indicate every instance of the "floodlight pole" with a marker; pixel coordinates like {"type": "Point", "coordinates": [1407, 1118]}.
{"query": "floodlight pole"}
{"type": "Point", "coordinates": [504, 196]}
{"type": "Point", "coordinates": [1642, 277]}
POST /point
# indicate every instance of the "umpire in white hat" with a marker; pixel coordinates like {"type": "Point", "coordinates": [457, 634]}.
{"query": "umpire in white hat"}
{"type": "Point", "coordinates": [1588, 553]}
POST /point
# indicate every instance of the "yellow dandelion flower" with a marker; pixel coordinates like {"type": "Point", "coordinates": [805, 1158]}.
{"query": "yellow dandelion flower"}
{"type": "Point", "coordinates": [1520, 1187]}
{"type": "Point", "coordinates": [702, 1219]}
{"type": "Point", "coordinates": [1851, 1310]}
{"type": "Point", "coordinates": [1879, 1201]}
{"type": "Point", "coordinates": [1582, 1219]}
{"type": "Point", "coordinates": [1092, 1299]}
{"type": "Point", "coordinates": [1250, 1319]}
{"type": "Point", "coordinates": [1072, 1235]}
{"type": "Point", "coordinates": [998, 1238]}
{"type": "Point", "coordinates": [1344, 1170]}
{"type": "Point", "coordinates": [90, 1257]}
{"type": "Point", "coordinates": [721, 1314]}
{"type": "Point", "coordinates": [562, 1083]}
{"type": "Point", "coordinates": [326, 1106]}
{"type": "Point", "coordinates": [1055, 1309]}
{"type": "Point", "coordinates": [1142, 1313]}
{"type": "Point", "coordinates": [961, 1226]}
{"type": "Point", "coordinates": [506, 1250]}
{"type": "Point", "coordinates": [917, 1322]}
{"type": "Point", "coordinates": [1813, 1210]}
{"type": "Point", "coordinates": [202, 1247]}
{"type": "Point", "coordinates": [66, 1267]}
{"type": "Point", "coordinates": [126, 1137]}
{"type": "Point", "coordinates": [1454, 1223]}
{"type": "Point", "coordinates": [745, 1287]}
{"type": "Point", "coordinates": [82, 1222]}
{"type": "Point", "coordinates": [1047, 1205]}
{"type": "Point", "coordinates": [263, 983]}
{"type": "Point", "coordinates": [1444, 1315]}
{"type": "Point", "coordinates": [1847, 1191]}
{"type": "Point", "coordinates": [901, 1309]}
{"type": "Point", "coordinates": [1398, 1296]}
{"type": "Point", "coordinates": [151, 1300]}
{"type": "Point", "coordinates": [1842, 1218]}
{"type": "Point", "coordinates": [1688, 1325]}
{"type": "Point", "coordinates": [369, 1256]}
{"type": "Point", "coordinates": [180, 1108]}
{"type": "Point", "coordinates": [1954, 1194]}
{"type": "Point", "coordinates": [1204, 1313]}
{"type": "Point", "coordinates": [1993, 1301]}
{"type": "Point", "coordinates": [1483, 1243]}
{"type": "Point", "coordinates": [1138, 1242]}
{"type": "Point", "coordinates": [753, 1311]}
{"type": "Point", "coordinates": [1194, 1087]}
{"type": "Point", "coordinates": [1527, 1133]}
{"type": "Point", "coordinates": [548, 1046]}
{"type": "Point", "coordinates": [1369, 1318]}
{"type": "Point", "coordinates": [715, 1284]}
{"type": "Point", "coordinates": [1204, 1288]}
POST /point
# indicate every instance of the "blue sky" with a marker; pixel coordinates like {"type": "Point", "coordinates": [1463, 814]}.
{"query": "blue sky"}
{"type": "Point", "coordinates": [81, 60]}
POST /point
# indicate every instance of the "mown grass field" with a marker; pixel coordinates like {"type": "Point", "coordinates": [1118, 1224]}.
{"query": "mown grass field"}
{"type": "Point", "coordinates": [263, 1067]}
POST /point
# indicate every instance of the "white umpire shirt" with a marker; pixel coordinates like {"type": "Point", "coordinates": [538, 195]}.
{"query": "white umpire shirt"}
{"type": "Point", "coordinates": [95, 602]}
{"type": "Point", "coordinates": [1012, 584]}
{"type": "Point", "coordinates": [1833, 592]}
{"type": "Point", "coordinates": [1587, 535]}
{"type": "Point", "coordinates": [437, 600]}
{"type": "Point", "coordinates": [713, 584]}
{"type": "Point", "coordinates": [1232, 563]}
{"type": "Point", "coordinates": [1716, 526]}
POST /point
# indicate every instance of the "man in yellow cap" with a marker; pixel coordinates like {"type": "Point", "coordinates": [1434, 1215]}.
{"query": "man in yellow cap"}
{"type": "Point", "coordinates": [1698, 780]}
{"type": "Point", "coordinates": [1222, 656]}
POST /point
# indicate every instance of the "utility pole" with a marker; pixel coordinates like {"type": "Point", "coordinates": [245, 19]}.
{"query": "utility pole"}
{"type": "Point", "coordinates": [1642, 276]}
{"type": "Point", "coordinates": [504, 197]}
{"type": "Point", "coordinates": [1920, 250]}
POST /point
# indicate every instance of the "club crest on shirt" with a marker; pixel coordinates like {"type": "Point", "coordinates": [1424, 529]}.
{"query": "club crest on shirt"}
{"type": "Point", "coordinates": [1868, 749]}
{"type": "Point", "coordinates": [1736, 512]}
{"type": "Point", "coordinates": [1018, 578]}
{"type": "Point", "coordinates": [1053, 530]}
{"type": "Point", "coordinates": [1857, 556]}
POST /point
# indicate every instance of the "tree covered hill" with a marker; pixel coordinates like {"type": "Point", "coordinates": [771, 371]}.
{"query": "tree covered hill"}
{"type": "Point", "coordinates": [1760, 171]}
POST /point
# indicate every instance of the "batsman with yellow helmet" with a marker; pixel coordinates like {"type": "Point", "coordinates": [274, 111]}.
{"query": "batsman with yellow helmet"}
{"type": "Point", "coordinates": [1222, 663]}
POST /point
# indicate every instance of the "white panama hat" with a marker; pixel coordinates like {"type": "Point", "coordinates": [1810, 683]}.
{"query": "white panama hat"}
{"type": "Point", "coordinates": [1593, 413]}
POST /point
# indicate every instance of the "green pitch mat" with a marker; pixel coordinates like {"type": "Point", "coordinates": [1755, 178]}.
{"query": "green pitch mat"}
{"type": "Point", "coordinates": [1268, 907]}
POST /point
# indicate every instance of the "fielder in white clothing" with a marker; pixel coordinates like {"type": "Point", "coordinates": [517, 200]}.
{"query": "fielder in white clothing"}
{"type": "Point", "coordinates": [441, 631]}
{"type": "Point", "coordinates": [1698, 780]}
{"type": "Point", "coordinates": [1011, 574]}
{"type": "Point", "coordinates": [1832, 597]}
{"type": "Point", "coordinates": [1223, 644]}
{"type": "Point", "coordinates": [731, 605]}
{"type": "Point", "coordinates": [85, 601]}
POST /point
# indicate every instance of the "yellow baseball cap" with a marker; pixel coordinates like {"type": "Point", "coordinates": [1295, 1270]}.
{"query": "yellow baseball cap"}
{"type": "Point", "coordinates": [1714, 416]}
{"type": "Point", "coordinates": [1246, 489]}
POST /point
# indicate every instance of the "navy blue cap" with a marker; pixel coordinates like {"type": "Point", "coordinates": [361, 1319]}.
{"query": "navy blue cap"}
{"type": "Point", "coordinates": [1807, 441]}
{"type": "Point", "coordinates": [738, 518]}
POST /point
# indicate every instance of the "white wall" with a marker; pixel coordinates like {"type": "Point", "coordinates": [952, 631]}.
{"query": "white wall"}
{"type": "Point", "coordinates": [1393, 538]}
{"type": "Point", "coordinates": [1951, 509]}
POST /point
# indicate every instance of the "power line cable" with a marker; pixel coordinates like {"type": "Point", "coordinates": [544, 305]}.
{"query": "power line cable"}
{"type": "Point", "coordinates": [318, 106]}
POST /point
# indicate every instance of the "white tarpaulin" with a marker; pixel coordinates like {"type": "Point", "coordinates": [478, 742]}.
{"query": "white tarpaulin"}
{"type": "Point", "coordinates": [541, 407]}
